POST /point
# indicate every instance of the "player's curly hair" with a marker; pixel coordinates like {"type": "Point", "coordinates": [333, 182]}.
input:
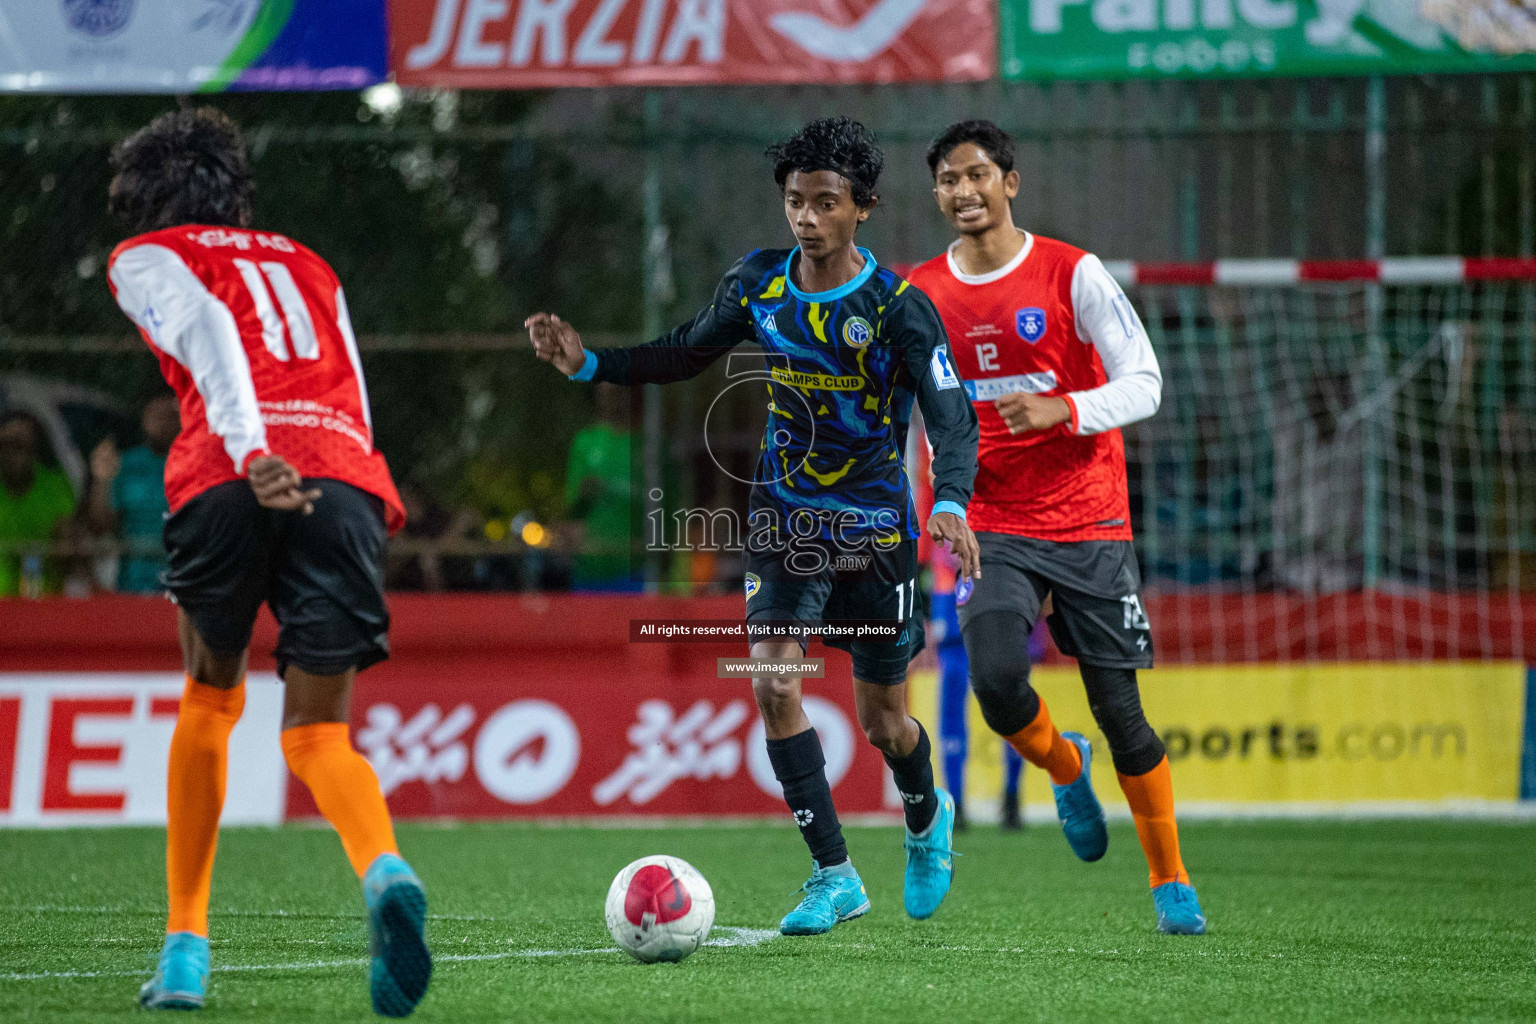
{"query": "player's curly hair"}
{"type": "Point", "coordinates": [988, 137]}
{"type": "Point", "coordinates": [838, 144]}
{"type": "Point", "coordinates": [184, 167]}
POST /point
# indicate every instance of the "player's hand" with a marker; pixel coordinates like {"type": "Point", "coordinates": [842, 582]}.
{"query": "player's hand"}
{"type": "Point", "coordinates": [556, 342]}
{"type": "Point", "coordinates": [105, 462]}
{"type": "Point", "coordinates": [278, 485]}
{"type": "Point", "coordinates": [948, 528]}
{"type": "Point", "coordinates": [1023, 412]}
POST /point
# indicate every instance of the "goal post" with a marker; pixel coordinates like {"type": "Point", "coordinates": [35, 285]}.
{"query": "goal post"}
{"type": "Point", "coordinates": [1344, 464]}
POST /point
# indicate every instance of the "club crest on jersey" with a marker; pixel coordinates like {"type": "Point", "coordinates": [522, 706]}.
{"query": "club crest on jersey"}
{"type": "Point", "coordinates": [1030, 323]}
{"type": "Point", "coordinates": [857, 332]}
{"type": "Point", "coordinates": [752, 584]}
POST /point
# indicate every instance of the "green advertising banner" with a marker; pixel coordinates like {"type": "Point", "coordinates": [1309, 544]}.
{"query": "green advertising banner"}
{"type": "Point", "coordinates": [1117, 39]}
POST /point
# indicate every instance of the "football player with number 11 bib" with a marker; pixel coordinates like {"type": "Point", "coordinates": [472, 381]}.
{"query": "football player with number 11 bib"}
{"type": "Point", "coordinates": [278, 497]}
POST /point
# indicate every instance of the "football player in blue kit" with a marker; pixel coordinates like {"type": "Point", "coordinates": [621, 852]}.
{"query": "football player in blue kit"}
{"type": "Point", "coordinates": [832, 532]}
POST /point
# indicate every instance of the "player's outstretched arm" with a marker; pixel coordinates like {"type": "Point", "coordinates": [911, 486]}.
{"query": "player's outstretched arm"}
{"type": "Point", "coordinates": [681, 354]}
{"type": "Point", "coordinates": [556, 342]}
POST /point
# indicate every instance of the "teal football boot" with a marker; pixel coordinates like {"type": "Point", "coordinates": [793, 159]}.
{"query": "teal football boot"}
{"type": "Point", "coordinates": [397, 922]}
{"type": "Point", "coordinates": [181, 979]}
{"type": "Point", "coordinates": [930, 862]}
{"type": "Point", "coordinates": [1178, 909]}
{"type": "Point", "coordinates": [1081, 814]}
{"type": "Point", "coordinates": [831, 895]}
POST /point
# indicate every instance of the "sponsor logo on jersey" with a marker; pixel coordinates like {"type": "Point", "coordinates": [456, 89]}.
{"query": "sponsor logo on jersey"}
{"type": "Point", "coordinates": [1030, 323]}
{"type": "Point", "coordinates": [857, 332]}
{"type": "Point", "coordinates": [964, 587]}
{"type": "Point", "coordinates": [943, 371]}
{"type": "Point", "coordinates": [817, 381]}
{"type": "Point", "coordinates": [752, 584]}
{"type": "Point", "coordinates": [990, 389]}
{"type": "Point", "coordinates": [99, 18]}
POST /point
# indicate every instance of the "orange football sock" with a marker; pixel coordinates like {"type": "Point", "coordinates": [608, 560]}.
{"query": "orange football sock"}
{"type": "Point", "coordinates": [195, 797]}
{"type": "Point", "coordinates": [1042, 746]}
{"type": "Point", "coordinates": [1151, 800]}
{"type": "Point", "coordinates": [344, 787]}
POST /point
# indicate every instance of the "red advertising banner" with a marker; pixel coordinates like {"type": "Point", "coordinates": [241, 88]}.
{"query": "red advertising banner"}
{"type": "Point", "coordinates": [540, 706]}
{"type": "Point", "coordinates": [538, 44]}
{"type": "Point", "coordinates": [489, 707]}
{"type": "Point", "coordinates": [567, 737]}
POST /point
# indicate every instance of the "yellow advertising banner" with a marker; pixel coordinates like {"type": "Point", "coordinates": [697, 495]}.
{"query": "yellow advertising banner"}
{"type": "Point", "coordinates": [1258, 738]}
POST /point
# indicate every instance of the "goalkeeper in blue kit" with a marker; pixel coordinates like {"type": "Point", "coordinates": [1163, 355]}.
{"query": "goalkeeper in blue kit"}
{"type": "Point", "coordinates": [832, 531]}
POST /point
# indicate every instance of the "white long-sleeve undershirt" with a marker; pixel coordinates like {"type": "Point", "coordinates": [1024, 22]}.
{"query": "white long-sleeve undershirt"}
{"type": "Point", "coordinates": [1106, 320]}
{"type": "Point", "coordinates": [187, 322]}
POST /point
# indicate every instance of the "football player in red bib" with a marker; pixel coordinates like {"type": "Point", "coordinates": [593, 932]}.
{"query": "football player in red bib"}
{"type": "Point", "coordinates": [1056, 362]}
{"type": "Point", "coordinates": [277, 496]}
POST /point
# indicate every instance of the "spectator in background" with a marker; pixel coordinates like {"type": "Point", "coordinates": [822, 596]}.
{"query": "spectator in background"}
{"type": "Point", "coordinates": [127, 496]}
{"type": "Point", "coordinates": [599, 491]}
{"type": "Point", "coordinates": [415, 561]}
{"type": "Point", "coordinates": [36, 503]}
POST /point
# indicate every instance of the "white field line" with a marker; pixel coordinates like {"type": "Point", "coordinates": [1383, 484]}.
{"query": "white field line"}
{"type": "Point", "coordinates": [733, 937]}
{"type": "Point", "coordinates": [160, 912]}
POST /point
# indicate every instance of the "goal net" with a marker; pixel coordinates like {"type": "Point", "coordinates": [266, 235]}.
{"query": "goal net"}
{"type": "Point", "coordinates": [1344, 465]}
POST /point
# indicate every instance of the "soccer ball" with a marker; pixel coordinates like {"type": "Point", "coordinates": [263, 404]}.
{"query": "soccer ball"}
{"type": "Point", "coordinates": [660, 908]}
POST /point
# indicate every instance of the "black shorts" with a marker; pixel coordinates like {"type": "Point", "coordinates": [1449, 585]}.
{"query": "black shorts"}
{"type": "Point", "coordinates": [1095, 587]}
{"type": "Point", "coordinates": [821, 582]}
{"type": "Point", "coordinates": [322, 574]}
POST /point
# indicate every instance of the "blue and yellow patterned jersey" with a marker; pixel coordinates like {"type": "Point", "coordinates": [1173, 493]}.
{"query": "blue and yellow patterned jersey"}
{"type": "Point", "coordinates": [843, 369]}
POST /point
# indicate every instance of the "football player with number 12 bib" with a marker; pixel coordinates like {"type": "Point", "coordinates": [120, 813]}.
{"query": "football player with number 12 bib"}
{"type": "Point", "coordinates": [1056, 362]}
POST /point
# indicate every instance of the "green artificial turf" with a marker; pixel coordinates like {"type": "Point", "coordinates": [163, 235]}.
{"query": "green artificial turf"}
{"type": "Point", "coordinates": [1310, 921]}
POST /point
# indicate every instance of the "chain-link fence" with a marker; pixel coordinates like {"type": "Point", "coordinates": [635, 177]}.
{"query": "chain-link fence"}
{"type": "Point", "coordinates": [450, 216]}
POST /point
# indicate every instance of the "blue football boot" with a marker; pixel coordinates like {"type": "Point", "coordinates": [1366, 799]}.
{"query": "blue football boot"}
{"type": "Point", "coordinates": [1081, 814]}
{"type": "Point", "coordinates": [397, 922]}
{"type": "Point", "coordinates": [831, 895]}
{"type": "Point", "coordinates": [181, 979]}
{"type": "Point", "coordinates": [1178, 909]}
{"type": "Point", "coordinates": [930, 863]}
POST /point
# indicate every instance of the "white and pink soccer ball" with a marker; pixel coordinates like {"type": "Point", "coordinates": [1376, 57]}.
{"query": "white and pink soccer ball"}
{"type": "Point", "coordinates": [660, 909]}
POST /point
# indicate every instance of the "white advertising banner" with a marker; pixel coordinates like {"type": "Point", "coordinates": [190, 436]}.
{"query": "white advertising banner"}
{"type": "Point", "coordinates": [173, 46]}
{"type": "Point", "coordinates": [91, 749]}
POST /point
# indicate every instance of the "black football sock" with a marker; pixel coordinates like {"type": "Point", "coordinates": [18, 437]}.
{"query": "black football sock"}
{"type": "Point", "coordinates": [801, 769]}
{"type": "Point", "coordinates": [914, 781]}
